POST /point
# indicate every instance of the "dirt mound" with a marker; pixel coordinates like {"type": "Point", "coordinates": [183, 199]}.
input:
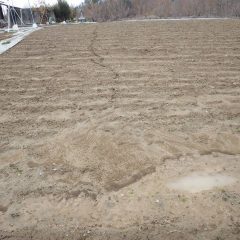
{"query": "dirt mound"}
{"type": "Point", "coordinates": [110, 160]}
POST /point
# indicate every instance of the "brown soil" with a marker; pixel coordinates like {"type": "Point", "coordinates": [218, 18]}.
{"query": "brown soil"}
{"type": "Point", "coordinates": [96, 119]}
{"type": "Point", "coordinates": [4, 36]}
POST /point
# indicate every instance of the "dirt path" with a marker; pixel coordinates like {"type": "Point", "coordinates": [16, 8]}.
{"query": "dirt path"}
{"type": "Point", "coordinates": [99, 121]}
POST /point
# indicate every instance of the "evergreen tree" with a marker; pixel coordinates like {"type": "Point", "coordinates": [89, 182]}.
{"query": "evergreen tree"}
{"type": "Point", "coordinates": [62, 11]}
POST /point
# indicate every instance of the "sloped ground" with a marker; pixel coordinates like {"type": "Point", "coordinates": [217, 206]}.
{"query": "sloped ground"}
{"type": "Point", "coordinates": [5, 35]}
{"type": "Point", "coordinates": [9, 40]}
{"type": "Point", "coordinates": [97, 120]}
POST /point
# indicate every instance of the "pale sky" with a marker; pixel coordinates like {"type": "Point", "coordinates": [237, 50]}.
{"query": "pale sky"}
{"type": "Point", "coordinates": [24, 3]}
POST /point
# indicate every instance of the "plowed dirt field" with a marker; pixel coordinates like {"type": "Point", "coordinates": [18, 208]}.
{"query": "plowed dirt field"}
{"type": "Point", "coordinates": [99, 121]}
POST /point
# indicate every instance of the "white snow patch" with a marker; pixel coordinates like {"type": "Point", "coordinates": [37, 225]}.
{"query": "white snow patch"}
{"type": "Point", "coordinates": [198, 182]}
{"type": "Point", "coordinates": [175, 19]}
{"type": "Point", "coordinates": [17, 37]}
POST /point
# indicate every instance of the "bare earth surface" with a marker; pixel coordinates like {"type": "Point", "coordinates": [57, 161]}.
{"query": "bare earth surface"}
{"type": "Point", "coordinates": [5, 35]}
{"type": "Point", "coordinates": [102, 125]}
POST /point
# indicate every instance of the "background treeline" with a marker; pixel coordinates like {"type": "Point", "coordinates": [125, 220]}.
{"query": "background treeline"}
{"type": "Point", "coordinates": [62, 10]}
{"type": "Point", "coordinates": [104, 10]}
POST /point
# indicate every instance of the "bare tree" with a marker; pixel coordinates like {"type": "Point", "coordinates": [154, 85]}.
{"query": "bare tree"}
{"type": "Point", "coordinates": [104, 10]}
